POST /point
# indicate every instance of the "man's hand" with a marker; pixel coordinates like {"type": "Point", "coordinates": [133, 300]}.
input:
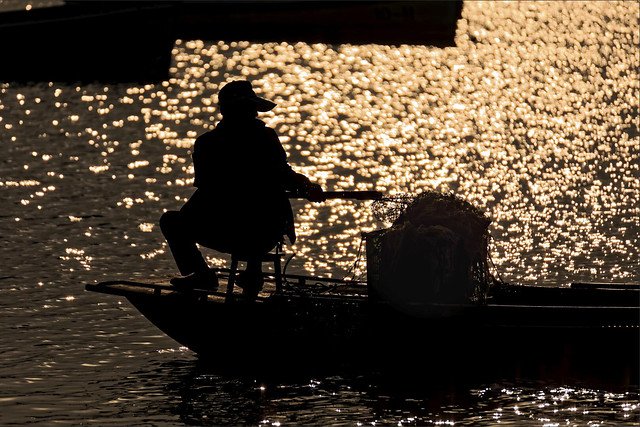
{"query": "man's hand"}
{"type": "Point", "coordinates": [314, 192]}
{"type": "Point", "coordinates": [309, 190]}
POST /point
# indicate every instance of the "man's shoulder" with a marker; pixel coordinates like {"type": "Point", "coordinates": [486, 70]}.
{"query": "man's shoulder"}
{"type": "Point", "coordinates": [205, 137]}
{"type": "Point", "coordinates": [222, 132]}
{"type": "Point", "coordinates": [208, 134]}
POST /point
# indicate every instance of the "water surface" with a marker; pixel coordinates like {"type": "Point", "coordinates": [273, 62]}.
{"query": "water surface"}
{"type": "Point", "coordinates": [533, 116]}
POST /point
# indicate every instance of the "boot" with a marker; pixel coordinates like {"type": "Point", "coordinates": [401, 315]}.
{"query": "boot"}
{"type": "Point", "coordinates": [207, 280]}
{"type": "Point", "coordinates": [251, 283]}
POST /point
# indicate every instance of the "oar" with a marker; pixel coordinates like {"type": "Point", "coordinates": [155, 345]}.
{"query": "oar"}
{"type": "Point", "coordinates": [354, 195]}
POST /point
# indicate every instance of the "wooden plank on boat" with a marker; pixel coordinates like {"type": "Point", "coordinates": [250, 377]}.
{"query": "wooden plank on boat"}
{"type": "Point", "coordinates": [152, 288]}
{"type": "Point", "coordinates": [506, 294]}
{"type": "Point", "coordinates": [620, 286]}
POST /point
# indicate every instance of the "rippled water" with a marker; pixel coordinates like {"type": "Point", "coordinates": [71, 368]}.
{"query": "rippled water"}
{"type": "Point", "coordinates": [533, 116]}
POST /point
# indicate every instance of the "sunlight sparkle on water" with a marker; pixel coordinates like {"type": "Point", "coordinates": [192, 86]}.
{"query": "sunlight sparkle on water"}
{"type": "Point", "coordinates": [532, 117]}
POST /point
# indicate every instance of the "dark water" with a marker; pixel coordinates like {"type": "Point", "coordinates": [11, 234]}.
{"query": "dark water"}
{"type": "Point", "coordinates": [536, 121]}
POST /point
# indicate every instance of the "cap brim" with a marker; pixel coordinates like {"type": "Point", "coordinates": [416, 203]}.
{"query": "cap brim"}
{"type": "Point", "coordinates": [260, 103]}
{"type": "Point", "coordinates": [263, 104]}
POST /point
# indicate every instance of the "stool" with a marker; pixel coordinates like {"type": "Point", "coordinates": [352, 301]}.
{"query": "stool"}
{"type": "Point", "coordinates": [275, 258]}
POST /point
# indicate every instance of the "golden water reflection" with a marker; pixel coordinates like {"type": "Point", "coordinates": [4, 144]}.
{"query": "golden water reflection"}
{"type": "Point", "coordinates": [533, 116]}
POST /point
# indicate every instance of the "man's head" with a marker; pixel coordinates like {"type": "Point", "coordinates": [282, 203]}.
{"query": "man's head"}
{"type": "Point", "coordinates": [238, 98]}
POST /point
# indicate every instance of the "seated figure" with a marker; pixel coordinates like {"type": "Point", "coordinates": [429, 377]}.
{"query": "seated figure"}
{"type": "Point", "coordinates": [240, 205]}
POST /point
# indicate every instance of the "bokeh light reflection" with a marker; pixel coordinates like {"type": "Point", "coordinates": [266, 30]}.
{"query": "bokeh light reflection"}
{"type": "Point", "coordinates": [533, 116]}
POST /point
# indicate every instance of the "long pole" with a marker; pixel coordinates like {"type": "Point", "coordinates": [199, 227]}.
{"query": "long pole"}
{"type": "Point", "coordinates": [354, 195]}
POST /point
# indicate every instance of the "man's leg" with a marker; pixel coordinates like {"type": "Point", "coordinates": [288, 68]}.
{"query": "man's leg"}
{"type": "Point", "coordinates": [182, 242]}
{"type": "Point", "coordinates": [254, 268]}
{"type": "Point", "coordinates": [251, 280]}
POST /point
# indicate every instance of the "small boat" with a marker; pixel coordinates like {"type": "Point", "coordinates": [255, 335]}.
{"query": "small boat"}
{"type": "Point", "coordinates": [312, 313]}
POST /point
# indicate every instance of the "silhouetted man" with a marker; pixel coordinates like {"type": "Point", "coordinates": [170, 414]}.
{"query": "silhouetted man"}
{"type": "Point", "coordinates": [240, 205]}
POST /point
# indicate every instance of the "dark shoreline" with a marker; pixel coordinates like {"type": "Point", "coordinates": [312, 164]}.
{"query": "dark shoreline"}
{"type": "Point", "coordinates": [132, 41]}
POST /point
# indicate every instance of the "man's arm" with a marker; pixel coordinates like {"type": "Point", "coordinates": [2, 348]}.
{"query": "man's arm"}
{"type": "Point", "coordinates": [197, 162]}
{"type": "Point", "coordinates": [295, 181]}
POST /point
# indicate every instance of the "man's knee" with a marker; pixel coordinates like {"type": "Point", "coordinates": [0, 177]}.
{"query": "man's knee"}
{"type": "Point", "coordinates": [170, 221]}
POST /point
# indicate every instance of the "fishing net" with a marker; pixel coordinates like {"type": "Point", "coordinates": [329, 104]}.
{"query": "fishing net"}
{"type": "Point", "coordinates": [436, 251]}
{"type": "Point", "coordinates": [388, 209]}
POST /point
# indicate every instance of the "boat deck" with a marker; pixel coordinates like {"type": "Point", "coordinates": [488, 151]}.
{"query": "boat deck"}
{"type": "Point", "coordinates": [293, 285]}
{"type": "Point", "coordinates": [509, 305]}
{"type": "Point", "coordinates": [314, 313]}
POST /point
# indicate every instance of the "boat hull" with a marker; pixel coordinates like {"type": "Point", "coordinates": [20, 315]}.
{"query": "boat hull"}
{"type": "Point", "coordinates": [310, 330]}
{"type": "Point", "coordinates": [212, 326]}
